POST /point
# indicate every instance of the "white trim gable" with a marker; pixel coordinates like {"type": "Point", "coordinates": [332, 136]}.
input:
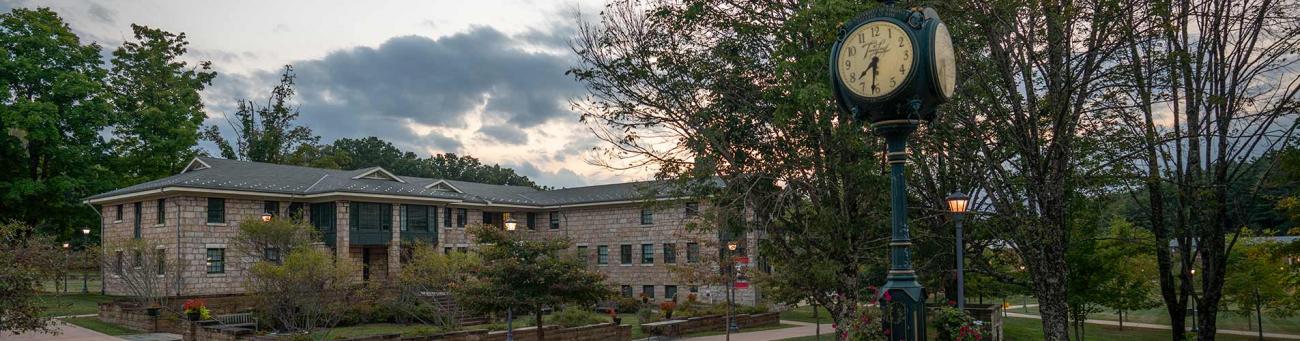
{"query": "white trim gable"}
{"type": "Point", "coordinates": [443, 185]}
{"type": "Point", "coordinates": [379, 173]}
{"type": "Point", "coordinates": [191, 166]}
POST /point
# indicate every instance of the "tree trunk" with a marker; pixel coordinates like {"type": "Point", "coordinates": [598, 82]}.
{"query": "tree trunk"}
{"type": "Point", "coordinates": [541, 332]}
{"type": "Point", "coordinates": [1049, 287]}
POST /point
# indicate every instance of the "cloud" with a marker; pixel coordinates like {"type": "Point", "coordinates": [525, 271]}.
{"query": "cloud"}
{"type": "Point", "coordinates": [501, 133]}
{"type": "Point", "coordinates": [102, 14]}
{"type": "Point", "coordinates": [560, 178]}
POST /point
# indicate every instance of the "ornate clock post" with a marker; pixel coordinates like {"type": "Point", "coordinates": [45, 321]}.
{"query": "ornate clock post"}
{"type": "Point", "coordinates": [891, 68]}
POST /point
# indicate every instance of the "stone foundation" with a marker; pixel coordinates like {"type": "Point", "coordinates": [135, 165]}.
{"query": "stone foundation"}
{"type": "Point", "coordinates": [139, 319]}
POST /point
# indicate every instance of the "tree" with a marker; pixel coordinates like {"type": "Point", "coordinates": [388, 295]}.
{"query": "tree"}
{"type": "Point", "coordinates": [1211, 69]}
{"type": "Point", "coordinates": [265, 133]}
{"type": "Point", "coordinates": [1130, 286]}
{"type": "Point", "coordinates": [141, 268]}
{"type": "Point", "coordinates": [735, 93]}
{"type": "Point", "coordinates": [157, 105]}
{"type": "Point", "coordinates": [26, 258]}
{"type": "Point", "coordinates": [310, 291]}
{"type": "Point", "coordinates": [427, 280]}
{"type": "Point", "coordinates": [52, 111]}
{"type": "Point", "coordinates": [527, 275]}
{"type": "Point", "coordinates": [259, 239]}
{"type": "Point", "coordinates": [1260, 280]}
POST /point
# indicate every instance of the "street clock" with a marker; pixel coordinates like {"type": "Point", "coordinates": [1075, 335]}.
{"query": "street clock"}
{"type": "Point", "coordinates": [893, 64]}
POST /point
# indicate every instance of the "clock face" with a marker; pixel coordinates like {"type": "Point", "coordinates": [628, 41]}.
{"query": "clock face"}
{"type": "Point", "coordinates": [875, 59]}
{"type": "Point", "coordinates": [945, 62]}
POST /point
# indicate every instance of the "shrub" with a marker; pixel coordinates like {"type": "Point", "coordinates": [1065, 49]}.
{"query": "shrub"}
{"type": "Point", "coordinates": [573, 316]}
{"type": "Point", "coordinates": [628, 305]}
{"type": "Point", "coordinates": [667, 308]}
{"type": "Point", "coordinates": [647, 315]}
{"type": "Point", "coordinates": [954, 324]}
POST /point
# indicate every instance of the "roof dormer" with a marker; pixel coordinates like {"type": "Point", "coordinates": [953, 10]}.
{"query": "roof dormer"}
{"type": "Point", "coordinates": [196, 164]}
{"type": "Point", "coordinates": [444, 186]}
{"type": "Point", "coordinates": [379, 173]}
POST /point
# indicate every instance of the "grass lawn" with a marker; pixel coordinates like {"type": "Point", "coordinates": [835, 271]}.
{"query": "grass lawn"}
{"type": "Point", "coordinates": [1017, 329]}
{"type": "Point", "coordinates": [804, 313]}
{"type": "Point", "coordinates": [71, 304]}
{"type": "Point", "coordinates": [751, 329]}
{"type": "Point", "coordinates": [1231, 321]}
{"type": "Point", "coordinates": [93, 323]}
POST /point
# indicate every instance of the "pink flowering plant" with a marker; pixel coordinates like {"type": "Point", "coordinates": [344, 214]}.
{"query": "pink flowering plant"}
{"type": "Point", "coordinates": [864, 323]}
{"type": "Point", "coordinates": [954, 324]}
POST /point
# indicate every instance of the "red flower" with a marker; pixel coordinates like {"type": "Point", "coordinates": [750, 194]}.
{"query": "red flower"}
{"type": "Point", "coordinates": [952, 303]}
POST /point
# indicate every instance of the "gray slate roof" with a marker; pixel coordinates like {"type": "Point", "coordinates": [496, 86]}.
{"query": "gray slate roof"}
{"type": "Point", "coordinates": [283, 179]}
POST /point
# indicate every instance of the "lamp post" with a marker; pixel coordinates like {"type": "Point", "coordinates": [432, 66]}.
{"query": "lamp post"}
{"type": "Point", "coordinates": [64, 273]}
{"type": "Point", "coordinates": [510, 312]}
{"type": "Point", "coordinates": [85, 279]}
{"type": "Point", "coordinates": [1024, 307]}
{"type": "Point", "coordinates": [731, 289]}
{"type": "Point", "coordinates": [957, 206]}
{"type": "Point", "coordinates": [1195, 323]}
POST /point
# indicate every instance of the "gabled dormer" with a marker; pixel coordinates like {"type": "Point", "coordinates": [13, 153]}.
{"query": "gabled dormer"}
{"type": "Point", "coordinates": [444, 186]}
{"type": "Point", "coordinates": [196, 164]}
{"type": "Point", "coordinates": [379, 173]}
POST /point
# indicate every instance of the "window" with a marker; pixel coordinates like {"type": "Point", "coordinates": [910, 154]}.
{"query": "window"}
{"type": "Point", "coordinates": [626, 290]}
{"type": "Point", "coordinates": [582, 253]}
{"type": "Point", "coordinates": [216, 210]}
{"type": "Point", "coordinates": [462, 249]}
{"type": "Point", "coordinates": [216, 261]}
{"type": "Point", "coordinates": [160, 259]}
{"type": "Point", "coordinates": [692, 209]}
{"type": "Point", "coordinates": [647, 253]}
{"type": "Point", "coordinates": [137, 219]}
{"type": "Point", "coordinates": [119, 213]}
{"type": "Point", "coordinates": [271, 207]}
{"type": "Point", "coordinates": [488, 218]}
{"type": "Point", "coordinates": [117, 260]}
{"type": "Point", "coordinates": [446, 217]}
{"type": "Point", "coordinates": [532, 221]}
{"type": "Point", "coordinates": [670, 292]}
{"type": "Point", "coordinates": [602, 254]}
{"type": "Point", "coordinates": [648, 291]}
{"type": "Point", "coordinates": [137, 259]}
{"type": "Point", "coordinates": [670, 253]}
{"type": "Point", "coordinates": [625, 254]}
{"type": "Point", "coordinates": [446, 250]}
{"type": "Point", "coordinates": [323, 216]}
{"type": "Point", "coordinates": [462, 216]}
{"type": "Point", "coordinates": [299, 210]}
{"type": "Point", "coordinates": [271, 254]}
{"type": "Point", "coordinates": [162, 211]}
{"type": "Point", "coordinates": [433, 218]}
{"type": "Point", "coordinates": [647, 216]}
{"type": "Point", "coordinates": [693, 288]}
{"type": "Point", "coordinates": [692, 252]}
{"type": "Point", "coordinates": [370, 216]}
{"type": "Point", "coordinates": [555, 220]}
{"type": "Point", "coordinates": [417, 217]}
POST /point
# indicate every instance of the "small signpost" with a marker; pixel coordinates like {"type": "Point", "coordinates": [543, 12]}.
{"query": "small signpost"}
{"type": "Point", "coordinates": [742, 274]}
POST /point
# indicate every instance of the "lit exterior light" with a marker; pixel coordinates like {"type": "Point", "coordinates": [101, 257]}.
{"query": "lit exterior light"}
{"type": "Point", "coordinates": [85, 231]}
{"type": "Point", "coordinates": [731, 246]}
{"type": "Point", "coordinates": [511, 224]}
{"type": "Point", "coordinates": [957, 202]}
{"type": "Point", "coordinates": [66, 245]}
{"type": "Point", "coordinates": [266, 217]}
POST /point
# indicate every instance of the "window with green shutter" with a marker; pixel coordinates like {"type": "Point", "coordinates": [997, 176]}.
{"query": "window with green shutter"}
{"type": "Point", "coordinates": [216, 210]}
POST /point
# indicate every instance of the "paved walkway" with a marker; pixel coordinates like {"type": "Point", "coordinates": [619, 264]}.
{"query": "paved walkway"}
{"type": "Point", "coordinates": [67, 332]}
{"type": "Point", "coordinates": [803, 329]}
{"type": "Point", "coordinates": [1155, 326]}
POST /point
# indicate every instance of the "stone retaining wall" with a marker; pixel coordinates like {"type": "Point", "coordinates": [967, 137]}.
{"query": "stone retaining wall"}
{"type": "Point", "coordinates": [676, 328]}
{"type": "Point", "coordinates": [139, 319]}
{"type": "Point", "coordinates": [595, 332]}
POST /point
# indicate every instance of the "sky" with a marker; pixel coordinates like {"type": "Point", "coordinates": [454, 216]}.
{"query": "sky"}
{"type": "Point", "coordinates": [482, 78]}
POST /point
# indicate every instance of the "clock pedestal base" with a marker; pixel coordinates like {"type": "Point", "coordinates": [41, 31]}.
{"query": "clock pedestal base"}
{"type": "Point", "coordinates": [902, 299]}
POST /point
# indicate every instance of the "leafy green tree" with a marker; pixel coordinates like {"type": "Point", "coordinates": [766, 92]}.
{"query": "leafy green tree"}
{"type": "Point", "coordinates": [523, 274]}
{"type": "Point", "coordinates": [309, 292]}
{"type": "Point", "coordinates": [469, 168]}
{"type": "Point", "coordinates": [157, 105]}
{"type": "Point", "coordinates": [52, 111]}
{"type": "Point", "coordinates": [1260, 278]}
{"type": "Point", "coordinates": [26, 258]}
{"type": "Point", "coordinates": [262, 239]}
{"type": "Point", "coordinates": [347, 153]}
{"type": "Point", "coordinates": [428, 274]}
{"type": "Point", "coordinates": [1130, 286]}
{"type": "Point", "coordinates": [265, 133]}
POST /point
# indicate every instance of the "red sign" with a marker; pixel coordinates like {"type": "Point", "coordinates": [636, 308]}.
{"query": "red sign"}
{"type": "Point", "coordinates": [742, 259]}
{"type": "Point", "coordinates": [742, 284]}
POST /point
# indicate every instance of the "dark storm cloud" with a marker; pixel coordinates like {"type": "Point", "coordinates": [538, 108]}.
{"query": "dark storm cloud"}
{"type": "Point", "coordinates": [561, 178]}
{"type": "Point", "coordinates": [101, 13]}
{"type": "Point", "coordinates": [365, 91]}
{"type": "Point", "coordinates": [504, 134]}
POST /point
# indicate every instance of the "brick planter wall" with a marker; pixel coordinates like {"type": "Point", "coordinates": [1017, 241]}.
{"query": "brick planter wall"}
{"type": "Point", "coordinates": [675, 328]}
{"type": "Point", "coordinates": [595, 332]}
{"type": "Point", "coordinates": [139, 319]}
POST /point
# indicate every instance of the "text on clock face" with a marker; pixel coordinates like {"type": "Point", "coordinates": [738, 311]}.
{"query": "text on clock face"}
{"type": "Point", "coordinates": [875, 59]}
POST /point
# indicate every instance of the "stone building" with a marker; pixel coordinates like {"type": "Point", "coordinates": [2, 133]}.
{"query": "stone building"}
{"type": "Point", "coordinates": [367, 215]}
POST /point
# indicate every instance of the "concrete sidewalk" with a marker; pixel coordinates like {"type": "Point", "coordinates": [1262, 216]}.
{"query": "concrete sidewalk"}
{"type": "Point", "coordinates": [67, 332]}
{"type": "Point", "coordinates": [803, 329]}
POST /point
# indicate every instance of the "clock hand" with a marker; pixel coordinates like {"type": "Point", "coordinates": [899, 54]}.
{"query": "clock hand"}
{"type": "Point", "coordinates": [871, 66]}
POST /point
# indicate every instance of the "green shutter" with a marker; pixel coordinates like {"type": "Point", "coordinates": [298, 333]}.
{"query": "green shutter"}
{"type": "Point", "coordinates": [354, 215]}
{"type": "Point", "coordinates": [405, 221]}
